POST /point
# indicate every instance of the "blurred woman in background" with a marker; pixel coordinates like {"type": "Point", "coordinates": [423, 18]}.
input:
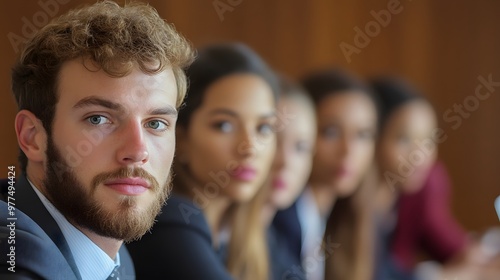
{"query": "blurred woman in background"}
{"type": "Point", "coordinates": [345, 144]}
{"type": "Point", "coordinates": [407, 123]}
{"type": "Point", "coordinates": [211, 227]}
{"type": "Point", "coordinates": [412, 198]}
{"type": "Point", "coordinates": [296, 135]}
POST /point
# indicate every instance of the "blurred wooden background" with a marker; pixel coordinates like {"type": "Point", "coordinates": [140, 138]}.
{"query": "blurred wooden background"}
{"type": "Point", "coordinates": [441, 46]}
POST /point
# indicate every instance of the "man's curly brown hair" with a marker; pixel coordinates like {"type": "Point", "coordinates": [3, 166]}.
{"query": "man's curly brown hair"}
{"type": "Point", "coordinates": [116, 39]}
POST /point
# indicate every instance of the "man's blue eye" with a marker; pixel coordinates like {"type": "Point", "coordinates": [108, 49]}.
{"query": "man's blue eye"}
{"type": "Point", "coordinates": [97, 120]}
{"type": "Point", "coordinates": [155, 124]}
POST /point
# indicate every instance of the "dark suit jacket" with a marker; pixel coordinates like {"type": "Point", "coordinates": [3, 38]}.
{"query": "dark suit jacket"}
{"type": "Point", "coordinates": [287, 226]}
{"type": "Point", "coordinates": [179, 246]}
{"type": "Point", "coordinates": [41, 251]}
{"type": "Point", "coordinates": [284, 265]}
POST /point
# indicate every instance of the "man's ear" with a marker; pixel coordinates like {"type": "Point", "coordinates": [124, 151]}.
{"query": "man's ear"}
{"type": "Point", "coordinates": [31, 136]}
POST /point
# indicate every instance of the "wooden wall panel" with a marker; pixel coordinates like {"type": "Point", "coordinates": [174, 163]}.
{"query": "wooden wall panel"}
{"type": "Point", "coordinates": [443, 46]}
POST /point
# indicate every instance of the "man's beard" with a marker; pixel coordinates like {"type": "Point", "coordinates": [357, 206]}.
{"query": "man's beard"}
{"type": "Point", "coordinates": [81, 208]}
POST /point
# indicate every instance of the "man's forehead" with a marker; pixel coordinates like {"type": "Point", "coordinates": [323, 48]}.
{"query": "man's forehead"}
{"type": "Point", "coordinates": [88, 68]}
{"type": "Point", "coordinates": [76, 82]}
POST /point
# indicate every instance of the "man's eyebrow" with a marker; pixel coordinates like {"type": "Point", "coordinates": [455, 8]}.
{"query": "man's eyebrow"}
{"type": "Point", "coordinates": [97, 101]}
{"type": "Point", "coordinates": [167, 110]}
{"type": "Point", "coordinates": [93, 100]}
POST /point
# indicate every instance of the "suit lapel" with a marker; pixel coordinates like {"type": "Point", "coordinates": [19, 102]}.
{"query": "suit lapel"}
{"type": "Point", "coordinates": [29, 202]}
{"type": "Point", "coordinates": [126, 268]}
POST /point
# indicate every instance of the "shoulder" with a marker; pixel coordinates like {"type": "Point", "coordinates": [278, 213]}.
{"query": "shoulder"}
{"type": "Point", "coordinates": [180, 219]}
{"type": "Point", "coordinates": [434, 192]}
{"type": "Point", "coordinates": [179, 245]}
{"type": "Point", "coordinates": [181, 212]}
{"type": "Point", "coordinates": [438, 181]}
{"type": "Point", "coordinates": [29, 248]}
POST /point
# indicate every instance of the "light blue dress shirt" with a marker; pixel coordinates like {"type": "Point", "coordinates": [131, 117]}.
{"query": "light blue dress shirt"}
{"type": "Point", "coordinates": [313, 228]}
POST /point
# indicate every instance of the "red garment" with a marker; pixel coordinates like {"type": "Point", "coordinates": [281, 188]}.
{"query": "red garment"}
{"type": "Point", "coordinates": [425, 223]}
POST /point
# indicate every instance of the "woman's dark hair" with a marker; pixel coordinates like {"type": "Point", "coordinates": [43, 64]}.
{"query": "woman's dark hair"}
{"type": "Point", "coordinates": [333, 81]}
{"type": "Point", "coordinates": [215, 62]}
{"type": "Point", "coordinates": [293, 90]}
{"type": "Point", "coordinates": [392, 93]}
{"type": "Point", "coordinates": [349, 222]}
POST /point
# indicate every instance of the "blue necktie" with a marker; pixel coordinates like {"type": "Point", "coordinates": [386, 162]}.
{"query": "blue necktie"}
{"type": "Point", "coordinates": [115, 274]}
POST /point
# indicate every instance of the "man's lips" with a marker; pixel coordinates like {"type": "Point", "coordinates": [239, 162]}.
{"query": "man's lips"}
{"type": "Point", "coordinates": [128, 186]}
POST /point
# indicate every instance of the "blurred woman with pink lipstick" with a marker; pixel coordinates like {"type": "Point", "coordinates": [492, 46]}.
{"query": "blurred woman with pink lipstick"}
{"type": "Point", "coordinates": [211, 228]}
{"type": "Point", "coordinates": [296, 135]}
{"type": "Point", "coordinates": [346, 129]}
